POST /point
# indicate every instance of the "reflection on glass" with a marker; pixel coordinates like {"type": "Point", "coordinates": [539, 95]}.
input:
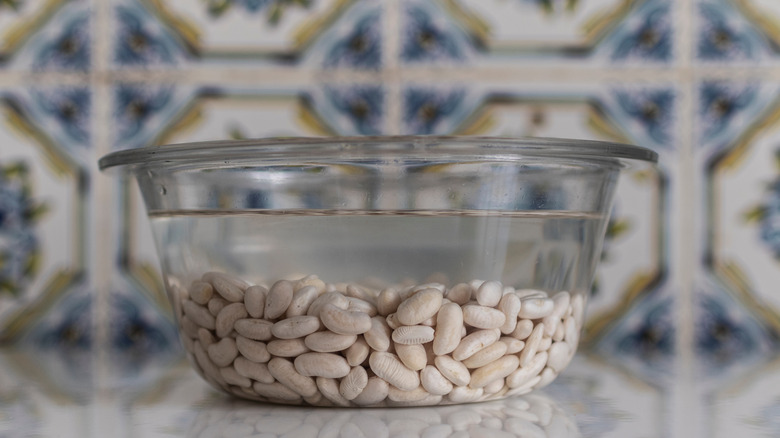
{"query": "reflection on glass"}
{"type": "Point", "coordinates": [532, 416]}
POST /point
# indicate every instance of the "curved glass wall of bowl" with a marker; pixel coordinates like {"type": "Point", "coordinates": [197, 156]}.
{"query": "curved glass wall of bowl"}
{"type": "Point", "coordinates": [412, 252]}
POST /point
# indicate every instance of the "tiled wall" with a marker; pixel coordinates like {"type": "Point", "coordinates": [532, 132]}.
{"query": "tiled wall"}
{"type": "Point", "coordinates": [692, 262]}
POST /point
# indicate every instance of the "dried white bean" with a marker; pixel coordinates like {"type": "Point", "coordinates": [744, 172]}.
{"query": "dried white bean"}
{"type": "Point", "coordinates": [310, 280]}
{"type": "Point", "coordinates": [434, 382]}
{"type": "Point", "coordinates": [532, 344]}
{"type": "Point", "coordinates": [287, 347]}
{"type": "Point", "coordinates": [460, 293]}
{"type": "Point", "coordinates": [205, 337]}
{"type": "Point", "coordinates": [216, 304]}
{"type": "Point", "coordinates": [227, 317]}
{"type": "Point", "coordinates": [483, 317]}
{"type": "Point", "coordinates": [198, 314]}
{"type": "Point", "coordinates": [201, 292]}
{"type": "Point", "coordinates": [253, 350]}
{"type": "Point", "coordinates": [560, 332]}
{"type": "Point", "coordinates": [329, 342]}
{"type": "Point", "coordinates": [358, 352]}
{"type": "Point", "coordinates": [329, 388]}
{"type": "Point", "coordinates": [354, 383]}
{"type": "Point", "coordinates": [558, 356]}
{"type": "Point", "coordinates": [495, 370]}
{"type": "Point", "coordinates": [189, 328]}
{"type": "Point", "coordinates": [489, 293]}
{"type": "Point", "coordinates": [276, 391]}
{"type": "Point", "coordinates": [256, 329]}
{"type": "Point", "coordinates": [375, 392]}
{"type": "Point", "coordinates": [278, 299]}
{"type": "Point", "coordinates": [512, 345]}
{"type": "Point", "coordinates": [465, 394]}
{"type": "Point", "coordinates": [391, 369]}
{"type": "Point", "coordinates": [387, 302]}
{"type": "Point", "coordinates": [284, 371]}
{"type": "Point", "coordinates": [296, 327]}
{"type": "Point", "coordinates": [475, 342]}
{"type": "Point", "coordinates": [335, 298]}
{"type": "Point", "coordinates": [536, 308]}
{"type": "Point", "coordinates": [232, 377]}
{"type": "Point", "coordinates": [252, 370]}
{"type": "Point", "coordinates": [415, 334]}
{"type": "Point", "coordinates": [419, 307]}
{"type": "Point", "coordinates": [362, 306]}
{"type": "Point", "coordinates": [523, 329]}
{"type": "Point", "coordinates": [230, 288]}
{"type": "Point", "coordinates": [495, 386]}
{"type": "Point", "coordinates": [572, 335]}
{"type": "Point", "coordinates": [322, 365]}
{"type": "Point", "coordinates": [527, 372]}
{"type": "Point", "coordinates": [302, 299]}
{"type": "Point", "coordinates": [223, 352]}
{"type": "Point", "coordinates": [412, 355]}
{"type": "Point", "coordinates": [448, 329]}
{"type": "Point", "coordinates": [547, 376]}
{"type": "Point", "coordinates": [453, 370]}
{"type": "Point", "coordinates": [486, 355]}
{"type": "Point", "coordinates": [378, 337]}
{"type": "Point", "coordinates": [544, 344]}
{"type": "Point", "coordinates": [510, 305]}
{"type": "Point", "coordinates": [254, 300]}
{"type": "Point", "coordinates": [344, 322]}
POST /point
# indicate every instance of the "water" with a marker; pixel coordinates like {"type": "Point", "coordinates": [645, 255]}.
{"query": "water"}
{"type": "Point", "coordinates": [547, 250]}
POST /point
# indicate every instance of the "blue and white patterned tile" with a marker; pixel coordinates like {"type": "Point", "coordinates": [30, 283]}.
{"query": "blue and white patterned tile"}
{"type": "Point", "coordinates": [165, 33]}
{"type": "Point", "coordinates": [737, 172]}
{"type": "Point", "coordinates": [61, 41]}
{"type": "Point", "coordinates": [45, 35]}
{"type": "Point", "coordinates": [736, 31]}
{"type": "Point", "coordinates": [594, 32]}
{"type": "Point", "coordinates": [43, 212]}
{"type": "Point", "coordinates": [427, 35]}
{"type": "Point", "coordinates": [354, 40]}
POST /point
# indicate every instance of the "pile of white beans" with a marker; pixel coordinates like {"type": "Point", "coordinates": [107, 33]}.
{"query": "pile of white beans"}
{"type": "Point", "coordinates": [308, 342]}
{"type": "Point", "coordinates": [531, 416]}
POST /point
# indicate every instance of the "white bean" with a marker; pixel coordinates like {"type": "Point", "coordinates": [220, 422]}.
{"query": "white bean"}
{"type": "Point", "coordinates": [254, 300]}
{"type": "Point", "coordinates": [329, 342]}
{"type": "Point", "coordinates": [412, 355]}
{"type": "Point", "coordinates": [301, 300]}
{"type": "Point", "coordinates": [495, 370]}
{"type": "Point", "coordinates": [256, 329]}
{"type": "Point", "coordinates": [527, 372]}
{"type": "Point", "coordinates": [510, 305]}
{"type": "Point", "coordinates": [276, 391]}
{"type": "Point", "coordinates": [230, 288]}
{"type": "Point", "coordinates": [335, 298]}
{"type": "Point", "coordinates": [227, 317]}
{"type": "Point", "coordinates": [329, 388]}
{"type": "Point", "coordinates": [486, 355]}
{"type": "Point", "coordinates": [253, 350]}
{"type": "Point", "coordinates": [223, 352]}
{"type": "Point", "coordinates": [415, 334]}
{"type": "Point", "coordinates": [358, 352]}
{"type": "Point", "coordinates": [284, 371]}
{"type": "Point", "coordinates": [483, 317]}
{"type": "Point", "coordinates": [287, 347]}
{"type": "Point", "coordinates": [460, 294]}
{"type": "Point", "coordinates": [489, 293]}
{"type": "Point", "coordinates": [344, 322]}
{"type": "Point", "coordinates": [296, 327]}
{"type": "Point", "coordinates": [453, 370]}
{"type": "Point", "coordinates": [201, 292]}
{"type": "Point", "coordinates": [559, 356]}
{"type": "Point", "coordinates": [419, 307]}
{"type": "Point", "coordinates": [512, 345]}
{"type": "Point", "coordinates": [322, 365]}
{"type": "Point", "coordinates": [523, 329]}
{"type": "Point", "coordinates": [198, 314]}
{"type": "Point", "coordinates": [532, 344]}
{"type": "Point", "coordinates": [434, 382]}
{"type": "Point", "coordinates": [536, 308]}
{"type": "Point", "coordinates": [354, 383]}
{"type": "Point", "coordinates": [448, 329]}
{"type": "Point", "coordinates": [464, 394]}
{"type": "Point", "coordinates": [378, 337]}
{"type": "Point", "coordinates": [252, 370]}
{"type": "Point", "coordinates": [278, 299]}
{"type": "Point", "coordinates": [375, 392]}
{"type": "Point", "coordinates": [475, 342]}
{"type": "Point", "coordinates": [389, 367]}
{"type": "Point", "coordinates": [387, 302]}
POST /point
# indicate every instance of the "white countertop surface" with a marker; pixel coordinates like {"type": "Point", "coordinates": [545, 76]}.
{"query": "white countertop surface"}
{"type": "Point", "coordinates": [96, 395]}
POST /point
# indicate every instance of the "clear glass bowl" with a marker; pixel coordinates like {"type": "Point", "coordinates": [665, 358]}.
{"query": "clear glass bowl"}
{"type": "Point", "coordinates": [379, 271]}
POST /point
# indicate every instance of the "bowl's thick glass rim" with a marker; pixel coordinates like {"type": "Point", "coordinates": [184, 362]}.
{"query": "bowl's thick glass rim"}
{"type": "Point", "coordinates": [332, 147]}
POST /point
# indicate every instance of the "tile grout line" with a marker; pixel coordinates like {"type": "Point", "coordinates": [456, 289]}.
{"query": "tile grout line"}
{"type": "Point", "coordinates": [683, 425]}
{"type": "Point", "coordinates": [102, 186]}
{"type": "Point", "coordinates": [391, 41]}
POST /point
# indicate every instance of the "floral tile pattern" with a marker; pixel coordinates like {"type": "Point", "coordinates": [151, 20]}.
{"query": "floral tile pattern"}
{"type": "Point", "coordinates": [691, 259]}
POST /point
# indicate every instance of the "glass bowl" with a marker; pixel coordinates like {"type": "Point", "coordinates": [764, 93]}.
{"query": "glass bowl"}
{"type": "Point", "coordinates": [379, 271]}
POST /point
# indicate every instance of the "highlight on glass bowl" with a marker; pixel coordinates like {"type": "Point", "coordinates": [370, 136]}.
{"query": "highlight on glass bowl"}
{"type": "Point", "coordinates": [379, 271]}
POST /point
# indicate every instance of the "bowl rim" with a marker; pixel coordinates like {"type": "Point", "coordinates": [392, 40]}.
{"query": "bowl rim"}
{"type": "Point", "coordinates": [223, 151]}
